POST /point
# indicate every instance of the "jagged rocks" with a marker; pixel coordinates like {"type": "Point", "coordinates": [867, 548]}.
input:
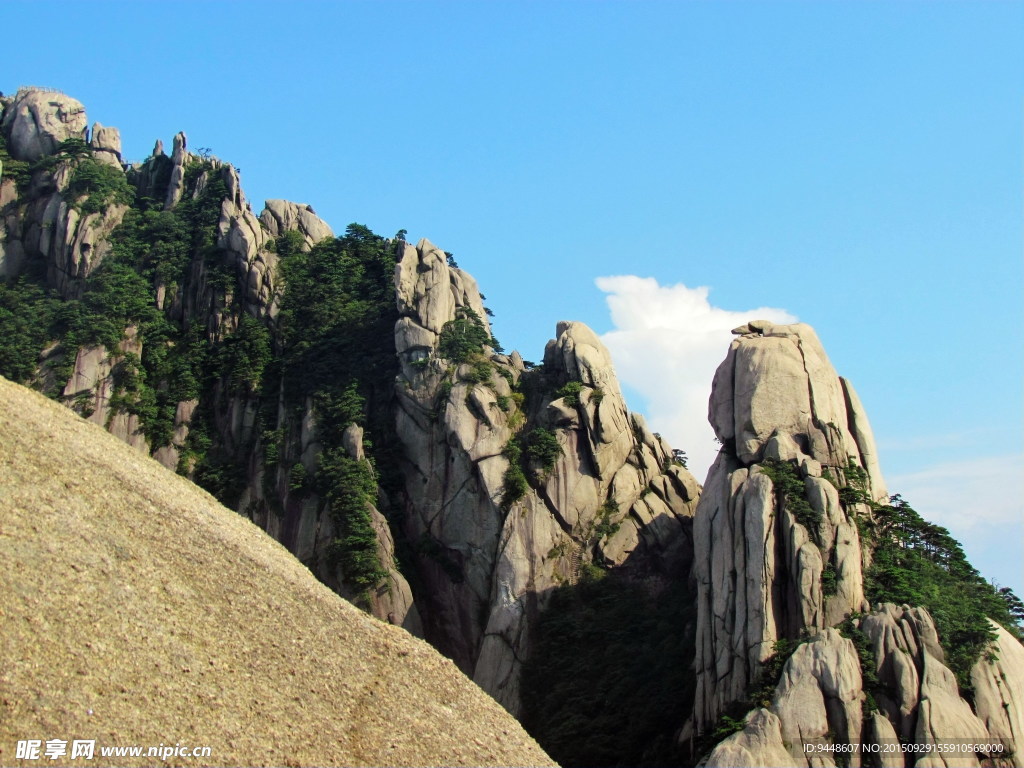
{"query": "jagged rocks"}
{"type": "Point", "coordinates": [919, 694]}
{"type": "Point", "coordinates": [778, 557]}
{"type": "Point", "coordinates": [998, 680]}
{"type": "Point", "coordinates": [105, 143]}
{"type": "Point", "coordinates": [179, 158]}
{"type": "Point", "coordinates": [769, 566]}
{"type": "Point", "coordinates": [820, 695]}
{"type": "Point", "coordinates": [778, 381]}
{"type": "Point", "coordinates": [45, 223]}
{"type": "Point", "coordinates": [818, 700]}
{"type": "Point", "coordinates": [37, 121]}
{"type": "Point", "coordinates": [758, 745]}
{"type": "Point", "coordinates": [280, 216]}
{"type": "Point", "coordinates": [91, 388]}
{"type": "Point", "coordinates": [607, 493]}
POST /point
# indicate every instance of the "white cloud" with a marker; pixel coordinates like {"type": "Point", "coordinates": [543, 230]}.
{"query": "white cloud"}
{"type": "Point", "coordinates": [668, 341]}
{"type": "Point", "coordinates": [981, 502]}
{"type": "Point", "coordinates": [968, 494]}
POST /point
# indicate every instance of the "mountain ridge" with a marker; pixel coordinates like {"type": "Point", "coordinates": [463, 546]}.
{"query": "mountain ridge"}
{"type": "Point", "coordinates": [348, 396]}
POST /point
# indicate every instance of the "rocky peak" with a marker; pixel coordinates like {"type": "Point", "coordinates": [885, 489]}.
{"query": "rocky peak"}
{"type": "Point", "coordinates": [577, 352]}
{"type": "Point", "coordinates": [770, 566]}
{"type": "Point", "coordinates": [776, 394]}
{"type": "Point", "coordinates": [280, 216]}
{"type": "Point", "coordinates": [428, 290]}
{"type": "Point", "coordinates": [516, 479]}
{"type": "Point", "coordinates": [105, 142]}
{"type": "Point", "coordinates": [38, 120]}
{"type": "Point", "coordinates": [179, 157]}
{"type": "Point", "coordinates": [40, 219]}
{"type": "Point", "coordinates": [779, 563]}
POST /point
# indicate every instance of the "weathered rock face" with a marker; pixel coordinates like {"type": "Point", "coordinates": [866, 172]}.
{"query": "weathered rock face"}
{"type": "Point", "coordinates": [280, 216]}
{"type": "Point", "coordinates": [778, 557]}
{"type": "Point", "coordinates": [91, 387]}
{"type": "Point", "coordinates": [44, 222]}
{"type": "Point", "coordinates": [609, 494]}
{"type": "Point", "coordinates": [759, 567]}
{"type": "Point", "coordinates": [37, 121]}
{"type": "Point", "coordinates": [820, 701]}
{"type": "Point", "coordinates": [44, 225]}
{"type": "Point", "coordinates": [777, 382]}
{"type": "Point", "coordinates": [998, 682]}
{"type": "Point", "coordinates": [106, 144]}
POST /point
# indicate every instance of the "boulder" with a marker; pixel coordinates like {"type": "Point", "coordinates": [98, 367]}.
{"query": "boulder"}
{"type": "Point", "coordinates": [106, 145]}
{"type": "Point", "coordinates": [280, 216]}
{"type": "Point", "coordinates": [38, 120]}
{"type": "Point", "coordinates": [758, 745]}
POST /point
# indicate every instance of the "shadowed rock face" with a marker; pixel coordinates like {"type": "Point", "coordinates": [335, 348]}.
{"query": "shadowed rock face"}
{"type": "Point", "coordinates": [595, 486]}
{"type": "Point", "coordinates": [488, 562]}
{"type": "Point", "coordinates": [762, 562]}
{"type": "Point", "coordinates": [42, 226]}
{"type": "Point", "coordinates": [612, 496]}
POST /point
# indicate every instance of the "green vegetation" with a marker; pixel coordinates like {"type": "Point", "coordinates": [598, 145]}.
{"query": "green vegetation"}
{"type": "Point", "coordinates": [244, 356]}
{"type": "Point", "coordinates": [790, 489]}
{"type": "Point", "coordinates": [543, 448]}
{"type": "Point", "coordinates": [479, 372]}
{"type": "Point", "coordinates": [611, 677]}
{"type": "Point", "coordinates": [463, 337]}
{"type": "Point", "coordinates": [570, 393]}
{"type": "Point", "coordinates": [762, 692]}
{"type": "Point", "coordinates": [603, 524]}
{"type": "Point", "coordinates": [759, 694]}
{"type": "Point", "coordinates": [868, 662]}
{"type": "Point", "coordinates": [349, 487]}
{"type": "Point", "coordinates": [829, 578]}
{"type": "Point", "coordinates": [16, 170]}
{"type": "Point", "coordinates": [336, 306]}
{"type": "Point", "coordinates": [920, 564]}
{"type": "Point", "coordinates": [914, 562]}
{"type": "Point", "coordinates": [21, 171]}
{"type": "Point", "coordinates": [515, 485]}
{"type": "Point", "coordinates": [29, 318]}
{"type": "Point", "coordinates": [678, 458]}
{"type": "Point", "coordinates": [165, 278]}
{"type": "Point", "coordinates": [100, 185]}
{"type": "Point", "coordinates": [537, 450]}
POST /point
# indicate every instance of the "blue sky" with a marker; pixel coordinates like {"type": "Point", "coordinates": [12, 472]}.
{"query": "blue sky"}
{"type": "Point", "coordinates": [855, 165]}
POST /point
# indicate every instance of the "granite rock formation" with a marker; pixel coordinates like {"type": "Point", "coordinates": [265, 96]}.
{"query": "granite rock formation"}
{"type": "Point", "coordinates": [495, 481]}
{"type": "Point", "coordinates": [611, 495]}
{"type": "Point", "coordinates": [776, 565]}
